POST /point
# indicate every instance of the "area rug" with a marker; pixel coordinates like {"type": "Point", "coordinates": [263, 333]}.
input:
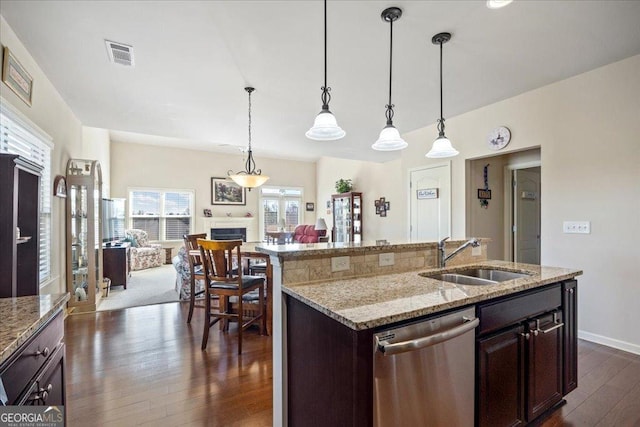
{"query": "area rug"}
{"type": "Point", "coordinates": [145, 287]}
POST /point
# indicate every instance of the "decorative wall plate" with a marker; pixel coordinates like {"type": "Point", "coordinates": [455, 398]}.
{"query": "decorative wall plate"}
{"type": "Point", "coordinates": [60, 186]}
{"type": "Point", "coordinates": [499, 137]}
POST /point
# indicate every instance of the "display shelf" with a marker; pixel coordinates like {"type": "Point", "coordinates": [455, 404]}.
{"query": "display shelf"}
{"type": "Point", "coordinates": [347, 217]}
{"type": "Point", "coordinates": [84, 239]}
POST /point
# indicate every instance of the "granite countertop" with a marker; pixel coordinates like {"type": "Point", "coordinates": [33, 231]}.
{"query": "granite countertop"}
{"type": "Point", "coordinates": [369, 302]}
{"type": "Point", "coordinates": [296, 250]}
{"type": "Point", "coordinates": [23, 316]}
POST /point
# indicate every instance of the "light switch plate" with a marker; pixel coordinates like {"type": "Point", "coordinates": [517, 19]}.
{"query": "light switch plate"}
{"type": "Point", "coordinates": [339, 263]}
{"type": "Point", "coordinates": [386, 259]}
{"type": "Point", "coordinates": [576, 227]}
{"type": "Point", "coordinates": [476, 251]}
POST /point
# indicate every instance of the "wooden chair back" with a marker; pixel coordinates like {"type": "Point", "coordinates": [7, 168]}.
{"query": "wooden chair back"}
{"type": "Point", "coordinates": [191, 246]}
{"type": "Point", "coordinates": [218, 258]}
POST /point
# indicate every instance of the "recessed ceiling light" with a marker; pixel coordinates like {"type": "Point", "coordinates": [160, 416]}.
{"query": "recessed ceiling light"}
{"type": "Point", "coordinates": [497, 4]}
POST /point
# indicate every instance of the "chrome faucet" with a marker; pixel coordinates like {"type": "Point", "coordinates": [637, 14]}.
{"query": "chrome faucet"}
{"type": "Point", "coordinates": [443, 258]}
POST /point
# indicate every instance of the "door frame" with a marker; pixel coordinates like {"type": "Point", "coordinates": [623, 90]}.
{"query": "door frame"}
{"type": "Point", "coordinates": [508, 203]}
{"type": "Point", "coordinates": [410, 192]}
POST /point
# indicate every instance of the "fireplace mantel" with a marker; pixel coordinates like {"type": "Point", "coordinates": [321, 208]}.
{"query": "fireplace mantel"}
{"type": "Point", "coordinates": [250, 223]}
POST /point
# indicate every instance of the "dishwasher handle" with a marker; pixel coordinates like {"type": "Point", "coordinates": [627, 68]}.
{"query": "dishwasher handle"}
{"type": "Point", "coordinates": [404, 346]}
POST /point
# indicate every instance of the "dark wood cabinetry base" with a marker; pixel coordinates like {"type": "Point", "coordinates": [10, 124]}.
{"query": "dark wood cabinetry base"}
{"type": "Point", "coordinates": [116, 264]}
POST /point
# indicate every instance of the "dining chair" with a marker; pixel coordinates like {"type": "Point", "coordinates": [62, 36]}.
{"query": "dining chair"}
{"type": "Point", "coordinates": [195, 269]}
{"type": "Point", "coordinates": [224, 281]}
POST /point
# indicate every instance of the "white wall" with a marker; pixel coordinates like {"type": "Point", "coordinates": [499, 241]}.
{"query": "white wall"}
{"type": "Point", "coordinates": [138, 165]}
{"type": "Point", "coordinates": [588, 128]}
{"type": "Point", "coordinates": [374, 180]}
{"type": "Point", "coordinates": [50, 113]}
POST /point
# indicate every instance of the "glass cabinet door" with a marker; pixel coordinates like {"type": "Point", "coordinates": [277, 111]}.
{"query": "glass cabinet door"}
{"type": "Point", "coordinates": [357, 218]}
{"type": "Point", "coordinates": [347, 217]}
{"type": "Point", "coordinates": [84, 240]}
{"type": "Point", "coordinates": [79, 245]}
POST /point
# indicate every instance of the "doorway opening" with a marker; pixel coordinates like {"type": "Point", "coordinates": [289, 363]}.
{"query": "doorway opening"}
{"type": "Point", "coordinates": [509, 214]}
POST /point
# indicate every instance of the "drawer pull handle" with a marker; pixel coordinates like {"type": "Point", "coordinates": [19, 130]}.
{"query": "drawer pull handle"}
{"type": "Point", "coordinates": [44, 353]}
{"type": "Point", "coordinates": [40, 396]}
{"type": "Point", "coordinates": [525, 336]}
{"type": "Point", "coordinates": [553, 328]}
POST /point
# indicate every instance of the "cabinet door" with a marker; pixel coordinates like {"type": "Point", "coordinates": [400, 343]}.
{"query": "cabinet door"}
{"type": "Point", "coordinates": [544, 374]}
{"type": "Point", "coordinates": [501, 378]}
{"type": "Point", "coordinates": [570, 335]}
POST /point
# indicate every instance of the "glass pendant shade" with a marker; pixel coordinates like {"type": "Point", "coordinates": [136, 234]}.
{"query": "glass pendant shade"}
{"type": "Point", "coordinates": [389, 140]}
{"type": "Point", "coordinates": [249, 180]}
{"type": "Point", "coordinates": [325, 127]}
{"type": "Point", "coordinates": [442, 148]}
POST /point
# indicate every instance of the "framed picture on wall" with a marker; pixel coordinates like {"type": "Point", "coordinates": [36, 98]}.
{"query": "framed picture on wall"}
{"type": "Point", "coordinates": [310, 206]}
{"type": "Point", "coordinates": [226, 192]}
{"type": "Point", "coordinates": [16, 77]}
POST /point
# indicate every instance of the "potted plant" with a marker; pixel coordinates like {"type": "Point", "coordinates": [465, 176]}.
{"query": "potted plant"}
{"type": "Point", "coordinates": [344, 185]}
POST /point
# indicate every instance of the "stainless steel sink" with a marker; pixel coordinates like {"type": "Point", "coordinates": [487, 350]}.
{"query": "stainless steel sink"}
{"type": "Point", "coordinates": [459, 279]}
{"type": "Point", "coordinates": [476, 276]}
{"type": "Point", "coordinates": [494, 275]}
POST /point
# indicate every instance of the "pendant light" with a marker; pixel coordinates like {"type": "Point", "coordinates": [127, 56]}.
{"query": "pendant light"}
{"type": "Point", "coordinates": [250, 177]}
{"type": "Point", "coordinates": [390, 139]}
{"type": "Point", "coordinates": [325, 127]}
{"type": "Point", "coordinates": [442, 146]}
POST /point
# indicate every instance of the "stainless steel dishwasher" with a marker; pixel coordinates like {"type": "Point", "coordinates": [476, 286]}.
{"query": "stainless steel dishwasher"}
{"type": "Point", "coordinates": [424, 372]}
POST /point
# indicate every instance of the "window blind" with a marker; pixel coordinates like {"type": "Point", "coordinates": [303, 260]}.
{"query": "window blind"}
{"type": "Point", "coordinates": [21, 137]}
{"type": "Point", "coordinates": [163, 214]}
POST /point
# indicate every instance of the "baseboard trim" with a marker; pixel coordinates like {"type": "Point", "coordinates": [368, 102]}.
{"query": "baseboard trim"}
{"type": "Point", "coordinates": [610, 342]}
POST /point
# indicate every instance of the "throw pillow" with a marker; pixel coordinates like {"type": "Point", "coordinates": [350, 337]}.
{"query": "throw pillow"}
{"type": "Point", "coordinates": [132, 241]}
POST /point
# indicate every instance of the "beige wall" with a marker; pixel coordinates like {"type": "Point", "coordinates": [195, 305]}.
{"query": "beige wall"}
{"type": "Point", "coordinates": [96, 146]}
{"type": "Point", "coordinates": [138, 165]}
{"type": "Point", "coordinates": [494, 220]}
{"type": "Point", "coordinates": [374, 180]}
{"type": "Point", "coordinates": [50, 113]}
{"type": "Point", "coordinates": [588, 128]}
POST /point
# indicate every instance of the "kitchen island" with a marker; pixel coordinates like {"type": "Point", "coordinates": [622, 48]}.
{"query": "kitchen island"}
{"type": "Point", "coordinates": [32, 350]}
{"type": "Point", "coordinates": [325, 335]}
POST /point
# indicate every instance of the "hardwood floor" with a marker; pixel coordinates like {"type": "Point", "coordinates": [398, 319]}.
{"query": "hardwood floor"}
{"type": "Point", "coordinates": [143, 366]}
{"type": "Point", "coordinates": [608, 392]}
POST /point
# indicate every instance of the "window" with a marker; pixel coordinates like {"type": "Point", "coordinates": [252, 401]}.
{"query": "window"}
{"type": "Point", "coordinates": [280, 206]}
{"type": "Point", "coordinates": [20, 136]}
{"type": "Point", "coordinates": [163, 214]}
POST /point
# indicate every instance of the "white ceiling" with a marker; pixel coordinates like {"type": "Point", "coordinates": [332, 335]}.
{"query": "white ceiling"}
{"type": "Point", "coordinates": [193, 59]}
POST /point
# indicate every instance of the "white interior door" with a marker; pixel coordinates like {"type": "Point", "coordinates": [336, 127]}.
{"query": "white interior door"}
{"type": "Point", "coordinates": [526, 215]}
{"type": "Point", "coordinates": [430, 203]}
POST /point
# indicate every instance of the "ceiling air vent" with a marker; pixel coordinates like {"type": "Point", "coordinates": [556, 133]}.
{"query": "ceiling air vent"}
{"type": "Point", "coordinates": [120, 53]}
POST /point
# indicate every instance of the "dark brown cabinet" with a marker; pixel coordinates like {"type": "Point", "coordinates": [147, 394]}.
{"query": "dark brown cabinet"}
{"type": "Point", "coordinates": [34, 374]}
{"type": "Point", "coordinates": [570, 335]}
{"type": "Point", "coordinates": [501, 359]}
{"type": "Point", "coordinates": [19, 209]}
{"type": "Point", "coordinates": [521, 357]}
{"type": "Point", "coordinates": [544, 363]}
{"type": "Point", "coordinates": [116, 264]}
{"type": "Point", "coordinates": [330, 370]}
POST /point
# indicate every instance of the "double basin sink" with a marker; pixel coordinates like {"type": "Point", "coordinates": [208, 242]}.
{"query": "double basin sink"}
{"type": "Point", "coordinates": [476, 276]}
